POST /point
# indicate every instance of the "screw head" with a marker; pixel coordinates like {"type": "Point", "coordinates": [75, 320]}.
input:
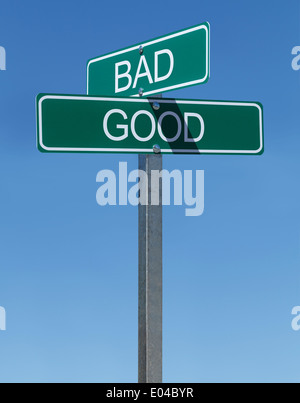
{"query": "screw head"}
{"type": "Point", "coordinates": [141, 49]}
{"type": "Point", "coordinates": [156, 106]}
{"type": "Point", "coordinates": [156, 149]}
{"type": "Point", "coordinates": [141, 92]}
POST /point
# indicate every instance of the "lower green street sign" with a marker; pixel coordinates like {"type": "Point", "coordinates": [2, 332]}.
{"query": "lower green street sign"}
{"type": "Point", "coordinates": [81, 123]}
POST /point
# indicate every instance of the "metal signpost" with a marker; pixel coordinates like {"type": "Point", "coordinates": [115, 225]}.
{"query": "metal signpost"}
{"type": "Point", "coordinates": [107, 121]}
{"type": "Point", "coordinates": [163, 64]}
{"type": "Point", "coordinates": [150, 278]}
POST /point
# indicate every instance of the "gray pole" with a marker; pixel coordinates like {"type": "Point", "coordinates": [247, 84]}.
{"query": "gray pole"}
{"type": "Point", "coordinates": [150, 279]}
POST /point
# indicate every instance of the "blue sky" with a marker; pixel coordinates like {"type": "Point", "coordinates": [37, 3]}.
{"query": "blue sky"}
{"type": "Point", "coordinates": [68, 267]}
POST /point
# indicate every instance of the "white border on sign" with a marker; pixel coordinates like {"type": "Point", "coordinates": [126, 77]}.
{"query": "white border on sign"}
{"type": "Point", "coordinates": [186, 84]}
{"type": "Point", "coordinates": [147, 150]}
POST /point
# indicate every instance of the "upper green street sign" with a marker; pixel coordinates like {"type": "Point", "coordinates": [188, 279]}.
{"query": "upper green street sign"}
{"type": "Point", "coordinates": [81, 123]}
{"type": "Point", "coordinates": [163, 64]}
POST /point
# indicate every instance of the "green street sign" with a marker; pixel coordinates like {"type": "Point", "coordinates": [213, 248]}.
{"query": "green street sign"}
{"type": "Point", "coordinates": [81, 123]}
{"type": "Point", "coordinates": [163, 64]}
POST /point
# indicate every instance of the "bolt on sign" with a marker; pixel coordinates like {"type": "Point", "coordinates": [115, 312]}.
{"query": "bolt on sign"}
{"type": "Point", "coordinates": [81, 123]}
{"type": "Point", "coordinates": [163, 64]}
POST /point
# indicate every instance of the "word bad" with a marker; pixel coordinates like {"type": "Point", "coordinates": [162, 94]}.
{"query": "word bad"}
{"type": "Point", "coordinates": [296, 320]}
{"type": "Point", "coordinates": [150, 117]}
{"type": "Point", "coordinates": [2, 318]}
{"type": "Point", "coordinates": [138, 192]}
{"type": "Point", "coordinates": [296, 59]}
{"type": "Point", "coordinates": [2, 58]}
{"type": "Point", "coordinates": [142, 71]}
